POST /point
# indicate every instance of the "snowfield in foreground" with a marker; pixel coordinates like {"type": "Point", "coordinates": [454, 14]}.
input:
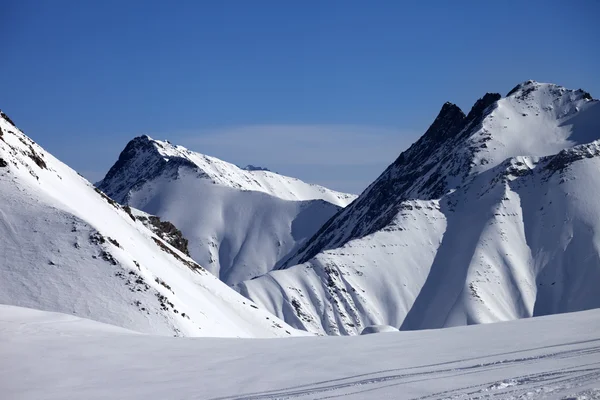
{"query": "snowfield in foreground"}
{"type": "Point", "coordinates": [58, 356]}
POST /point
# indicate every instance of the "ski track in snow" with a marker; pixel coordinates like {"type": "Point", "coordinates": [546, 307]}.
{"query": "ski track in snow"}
{"type": "Point", "coordinates": [545, 382]}
{"type": "Point", "coordinates": [556, 358]}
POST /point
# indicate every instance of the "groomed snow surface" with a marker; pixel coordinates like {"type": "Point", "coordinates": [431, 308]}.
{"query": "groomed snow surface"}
{"type": "Point", "coordinates": [56, 356]}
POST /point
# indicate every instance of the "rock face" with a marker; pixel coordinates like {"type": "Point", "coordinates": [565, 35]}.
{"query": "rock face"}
{"type": "Point", "coordinates": [240, 223]}
{"type": "Point", "coordinates": [424, 171]}
{"type": "Point", "coordinates": [163, 229]}
{"type": "Point", "coordinates": [69, 248]}
{"type": "Point", "coordinates": [251, 167]}
{"type": "Point", "coordinates": [488, 217]}
{"type": "Point", "coordinates": [138, 163]}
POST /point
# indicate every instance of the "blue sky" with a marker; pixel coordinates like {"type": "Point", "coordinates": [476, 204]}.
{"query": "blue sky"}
{"type": "Point", "coordinates": [328, 91]}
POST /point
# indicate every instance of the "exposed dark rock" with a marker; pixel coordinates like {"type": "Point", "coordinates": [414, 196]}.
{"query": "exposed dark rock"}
{"type": "Point", "coordinates": [192, 265]}
{"type": "Point", "coordinates": [124, 175]}
{"type": "Point", "coordinates": [96, 238]}
{"type": "Point", "coordinates": [114, 242]}
{"type": "Point", "coordinates": [445, 125]}
{"type": "Point", "coordinates": [585, 94]}
{"type": "Point", "coordinates": [478, 109]}
{"type": "Point", "coordinates": [166, 231]}
{"type": "Point", "coordinates": [3, 163]}
{"type": "Point", "coordinates": [3, 115]}
{"type": "Point", "coordinates": [36, 158]}
{"type": "Point", "coordinates": [526, 89]}
{"type": "Point", "coordinates": [420, 172]}
{"type": "Point", "coordinates": [251, 167]}
{"type": "Point", "coordinates": [128, 211]}
{"type": "Point", "coordinates": [164, 302]}
{"type": "Point", "coordinates": [131, 150]}
{"type": "Point", "coordinates": [164, 284]}
{"type": "Point", "coordinates": [105, 197]}
{"type": "Point", "coordinates": [566, 157]}
{"type": "Point", "coordinates": [514, 90]}
{"type": "Point", "coordinates": [106, 256]}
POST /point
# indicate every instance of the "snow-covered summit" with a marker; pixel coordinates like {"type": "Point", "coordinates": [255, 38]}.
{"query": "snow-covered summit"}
{"type": "Point", "coordinates": [239, 223]}
{"type": "Point", "coordinates": [536, 119]}
{"type": "Point", "coordinates": [144, 158]}
{"type": "Point", "coordinates": [489, 216]}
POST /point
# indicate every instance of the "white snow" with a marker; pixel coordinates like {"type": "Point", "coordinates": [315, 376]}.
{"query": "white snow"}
{"type": "Point", "coordinates": [514, 235]}
{"type": "Point", "coordinates": [57, 356]}
{"type": "Point", "coordinates": [91, 297]}
{"type": "Point", "coordinates": [227, 174]}
{"type": "Point", "coordinates": [542, 122]}
{"type": "Point", "coordinates": [240, 223]}
{"type": "Point", "coordinates": [66, 248]}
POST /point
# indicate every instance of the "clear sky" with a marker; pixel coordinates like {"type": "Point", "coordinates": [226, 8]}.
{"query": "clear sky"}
{"type": "Point", "coordinates": [327, 91]}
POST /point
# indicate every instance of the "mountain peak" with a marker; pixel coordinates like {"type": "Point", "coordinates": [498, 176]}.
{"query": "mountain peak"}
{"type": "Point", "coordinates": [6, 118]}
{"type": "Point", "coordinates": [446, 123]}
{"type": "Point", "coordinates": [529, 85]}
{"type": "Point", "coordinates": [142, 159]}
{"type": "Point", "coordinates": [71, 249]}
{"type": "Point", "coordinates": [456, 148]}
{"type": "Point", "coordinates": [524, 90]}
{"type": "Point", "coordinates": [478, 221]}
{"type": "Point", "coordinates": [226, 212]}
{"type": "Point", "coordinates": [145, 159]}
{"type": "Point", "coordinates": [478, 109]}
{"type": "Point", "coordinates": [449, 107]}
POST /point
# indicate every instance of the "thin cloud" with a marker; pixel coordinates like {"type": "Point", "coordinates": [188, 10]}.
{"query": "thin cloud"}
{"type": "Point", "coordinates": [344, 157]}
{"type": "Point", "coordinates": [301, 144]}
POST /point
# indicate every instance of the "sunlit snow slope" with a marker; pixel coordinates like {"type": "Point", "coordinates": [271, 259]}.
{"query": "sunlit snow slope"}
{"type": "Point", "coordinates": [490, 216]}
{"type": "Point", "coordinates": [56, 356]}
{"type": "Point", "coordinates": [67, 247]}
{"type": "Point", "coordinates": [240, 223]}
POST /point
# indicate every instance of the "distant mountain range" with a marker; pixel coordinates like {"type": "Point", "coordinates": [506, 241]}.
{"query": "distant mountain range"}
{"type": "Point", "coordinates": [490, 216]}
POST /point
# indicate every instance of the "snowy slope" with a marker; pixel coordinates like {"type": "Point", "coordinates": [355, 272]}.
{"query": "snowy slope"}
{"type": "Point", "coordinates": [240, 223]}
{"type": "Point", "coordinates": [555, 357]}
{"type": "Point", "coordinates": [67, 247]}
{"type": "Point", "coordinates": [490, 216]}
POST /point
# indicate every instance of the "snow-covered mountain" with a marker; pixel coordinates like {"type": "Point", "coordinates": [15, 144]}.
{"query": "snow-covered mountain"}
{"type": "Point", "coordinates": [240, 223]}
{"type": "Point", "coordinates": [489, 216]}
{"type": "Point", "coordinates": [69, 248]}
